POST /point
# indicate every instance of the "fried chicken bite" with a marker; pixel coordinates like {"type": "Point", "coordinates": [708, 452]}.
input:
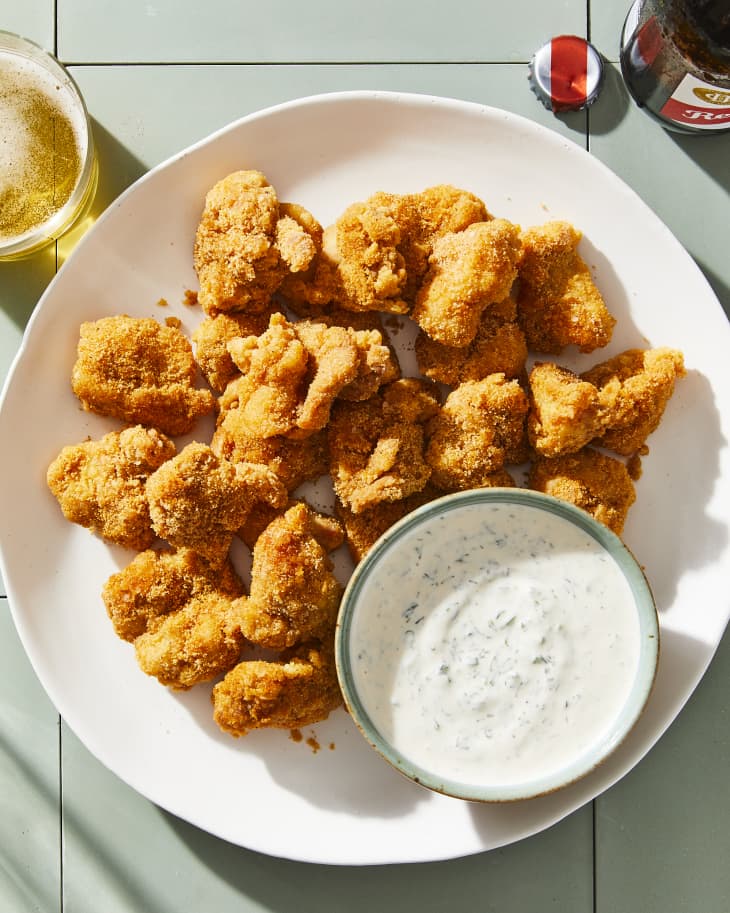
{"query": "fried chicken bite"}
{"type": "Point", "coordinates": [479, 429]}
{"type": "Point", "coordinates": [331, 347]}
{"type": "Point", "coordinates": [298, 690]}
{"type": "Point", "coordinates": [101, 484]}
{"type": "Point", "coordinates": [633, 389]}
{"type": "Point", "coordinates": [443, 209]}
{"type": "Point", "coordinates": [198, 500]}
{"type": "Point", "coordinates": [319, 288]}
{"type": "Point", "coordinates": [558, 303]}
{"type": "Point", "coordinates": [157, 583]}
{"type": "Point", "coordinates": [211, 339]}
{"type": "Point", "coordinates": [379, 250]}
{"type": "Point", "coordinates": [140, 372]}
{"type": "Point", "coordinates": [376, 446]}
{"type": "Point", "coordinates": [499, 347]}
{"type": "Point", "coordinates": [565, 412]}
{"type": "Point", "coordinates": [599, 484]}
{"type": "Point", "coordinates": [293, 373]}
{"type": "Point", "coordinates": [293, 461]}
{"type": "Point", "coordinates": [336, 361]}
{"type": "Point", "coordinates": [370, 266]}
{"type": "Point", "coordinates": [468, 271]}
{"type": "Point", "coordinates": [294, 595]}
{"type": "Point", "coordinates": [245, 246]}
{"type": "Point", "coordinates": [298, 237]}
{"type": "Point", "coordinates": [274, 368]}
{"type": "Point", "coordinates": [194, 644]}
{"type": "Point", "coordinates": [364, 529]}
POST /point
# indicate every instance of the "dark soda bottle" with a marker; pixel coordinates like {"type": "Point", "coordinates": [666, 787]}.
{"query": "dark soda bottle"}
{"type": "Point", "coordinates": [675, 60]}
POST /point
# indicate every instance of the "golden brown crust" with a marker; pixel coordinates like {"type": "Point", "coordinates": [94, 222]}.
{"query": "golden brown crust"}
{"type": "Point", "coordinates": [597, 483]}
{"type": "Point", "coordinates": [140, 372]}
{"type": "Point", "coordinates": [634, 388]}
{"type": "Point", "coordinates": [101, 484]}
{"type": "Point", "coordinates": [362, 530]}
{"type": "Point", "coordinates": [558, 302]}
{"type": "Point", "coordinates": [198, 501]}
{"type": "Point", "coordinates": [194, 644]}
{"type": "Point", "coordinates": [294, 594]}
{"type": "Point", "coordinates": [293, 373]}
{"type": "Point", "coordinates": [245, 245]}
{"type": "Point", "coordinates": [211, 339]}
{"type": "Point", "coordinates": [157, 583]}
{"type": "Point", "coordinates": [298, 690]}
{"type": "Point", "coordinates": [468, 271]}
{"type": "Point", "coordinates": [565, 412]}
{"type": "Point", "coordinates": [499, 347]}
{"type": "Point", "coordinates": [370, 266]}
{"type": "Point", "coordinates": [480, 429]}
{"type": "Point", "coordinates": [293, 461]}
{"type": "Point", "coordinates": [376, 447]}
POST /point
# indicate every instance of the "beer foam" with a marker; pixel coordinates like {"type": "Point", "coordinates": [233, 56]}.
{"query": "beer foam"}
{"type": "Point", "coordinates": [43, 143]}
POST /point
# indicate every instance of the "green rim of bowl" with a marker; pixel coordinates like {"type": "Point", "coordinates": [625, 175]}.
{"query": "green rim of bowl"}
{"type": "Point", "coordinates": [597, 752]}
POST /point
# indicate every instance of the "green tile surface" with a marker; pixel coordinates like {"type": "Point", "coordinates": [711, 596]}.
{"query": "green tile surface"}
{"type": "Point", "coordinates": [662, 835]}
{"type": "Point", "coordinates": [30, 845]}
{"type": "Point", "coordinates": [320, 31]}
{"type": "Point", "coordinates": [657, 842]}
{"type": "Point", "coordinates": [32, 19]}
{"type": "Point", "coordinates": [183, 868]}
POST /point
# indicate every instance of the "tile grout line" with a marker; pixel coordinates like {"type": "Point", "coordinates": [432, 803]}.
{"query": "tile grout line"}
{"type": "Point", "coordinates": [294, 63]}
{"type": "Point", "coordinates": [595, 856]}
{"type": "Point", "coordinates": [61, 885]}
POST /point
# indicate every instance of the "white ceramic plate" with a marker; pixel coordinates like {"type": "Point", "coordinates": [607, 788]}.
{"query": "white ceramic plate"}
{"type": "Point", "coordinates": [346, 805]}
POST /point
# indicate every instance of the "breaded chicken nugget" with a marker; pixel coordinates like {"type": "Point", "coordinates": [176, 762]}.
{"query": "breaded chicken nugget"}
{"type": "Point", "coordinates": [331, 346]}
{"type": "Point", "coordinates": [558, 303]}
{"type": "Point", "coordinates": [376, 447]}
{"type": "Point", "coordinates": [157, 583]}
{"type": "Point", "coordinates": [244, 247]}
{"type": "Point", "coordinates": [634, 388]}
{"type": "Point", "coordinates": [293, 373]}
{"type": "Point", "coordinates": [479, 429]}
{"type": "Point", "coordinates": [468, 270]}
{"type": "Point", "coordinates": [292, 461]}
{"type": "Point", "coordinates": [140, 372]}
{"type": "Point", "coordinates": [565, 412]}
{"type": "Point", "coordinates": [298, 237]}
{"type": "Point", "coordinates": [299, 689]}
{"type": "Point", "coordinates": [335, 362]}
{"type": "Point", "coordinates": [194, 644]}
{"type": "Point", "coordinates": [317, 289]}
{"type": "Point", "coordinates": [294, 595]}
{"type": "Point", "coordinates": [101, 484]}
{"type": "Point", "coordinates": [498, 348]}
{"type": "Point", "coordinates": [443, 209]}
{"type": "Point", "coordinates": [364, 529]}
{"type": "Point", "coordinates": [591, 480]}
{"type": "Point", "coordinates": [419, 219]}
{"type": "Point", "coordinates": [211, 340]}
{"type": "Point", "coordinates": [198, 501]}
{"type": "Point", "coordinates": [274, 367]}
{"type": "Point", "coordinates": [369, 263]}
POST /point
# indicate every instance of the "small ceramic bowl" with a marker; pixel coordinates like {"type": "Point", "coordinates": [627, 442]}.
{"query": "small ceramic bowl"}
{"type": "Point", "coordinates": [497, 644]}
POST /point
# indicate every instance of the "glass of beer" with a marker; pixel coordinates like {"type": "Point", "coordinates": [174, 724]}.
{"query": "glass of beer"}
{"type": "Point", "coordinates": [48, 166]}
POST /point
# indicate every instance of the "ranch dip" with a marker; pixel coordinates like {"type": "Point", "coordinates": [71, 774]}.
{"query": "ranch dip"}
{"type": "Point", "coordinates": [500, 642]}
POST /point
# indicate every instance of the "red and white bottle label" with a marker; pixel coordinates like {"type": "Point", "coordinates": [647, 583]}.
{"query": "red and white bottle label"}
{"type": "Point", "coordinates": [698, 104]}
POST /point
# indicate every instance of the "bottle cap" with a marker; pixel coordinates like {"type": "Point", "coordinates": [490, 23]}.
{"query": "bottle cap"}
{"type": "Point", "coordinates": [566, 73]}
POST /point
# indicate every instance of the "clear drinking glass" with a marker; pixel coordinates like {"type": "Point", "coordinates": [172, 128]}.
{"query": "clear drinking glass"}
{"type": "Point", "coordinates": [48, 164]}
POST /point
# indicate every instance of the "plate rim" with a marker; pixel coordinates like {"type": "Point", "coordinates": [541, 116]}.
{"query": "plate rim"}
{"type": "Point", "coordinates": [422, 100]}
